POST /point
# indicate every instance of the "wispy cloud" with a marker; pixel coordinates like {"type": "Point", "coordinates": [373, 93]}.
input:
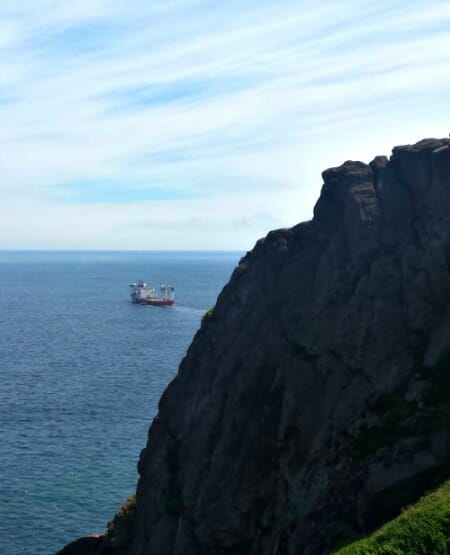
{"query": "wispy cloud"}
{"type": "Point", "coordinates": [186, 105]}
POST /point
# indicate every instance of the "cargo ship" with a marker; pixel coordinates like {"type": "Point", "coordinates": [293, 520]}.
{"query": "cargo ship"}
{"type": "Point", "coordinates": [141, 293]}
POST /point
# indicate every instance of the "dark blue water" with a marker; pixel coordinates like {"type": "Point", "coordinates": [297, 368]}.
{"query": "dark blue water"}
{"type": "Point", "coordinates": [81, 372]}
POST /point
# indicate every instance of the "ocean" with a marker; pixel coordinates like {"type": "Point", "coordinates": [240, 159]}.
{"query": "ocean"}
{"type": "Point", "coordinates": [81, 373]}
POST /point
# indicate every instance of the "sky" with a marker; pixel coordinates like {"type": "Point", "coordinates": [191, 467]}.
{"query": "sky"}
{"type": "Point", "coordinates": [197, 124]}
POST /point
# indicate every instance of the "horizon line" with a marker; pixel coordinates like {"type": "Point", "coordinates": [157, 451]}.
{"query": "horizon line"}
{"type": "Point", "coordinates": [120, 250]}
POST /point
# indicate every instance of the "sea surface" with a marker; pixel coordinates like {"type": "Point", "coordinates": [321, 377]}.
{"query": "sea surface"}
{"type": "Point", "coordinates": [81, 373]}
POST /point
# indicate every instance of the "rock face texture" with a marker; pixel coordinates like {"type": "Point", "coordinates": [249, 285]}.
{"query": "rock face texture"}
{"type": "Point", "coordinates": [314, 401]}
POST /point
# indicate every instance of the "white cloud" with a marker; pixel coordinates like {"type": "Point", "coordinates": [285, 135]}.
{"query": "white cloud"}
{"type": "Point", "coordinates": [251, 101]}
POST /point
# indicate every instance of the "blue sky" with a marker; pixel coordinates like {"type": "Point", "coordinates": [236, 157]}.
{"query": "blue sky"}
{"type": "Point", "coordinates": [190, 124]}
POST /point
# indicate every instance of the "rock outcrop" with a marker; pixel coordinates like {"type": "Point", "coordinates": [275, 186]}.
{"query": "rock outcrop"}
{"type": "Point", "coordinates": [314, 401]}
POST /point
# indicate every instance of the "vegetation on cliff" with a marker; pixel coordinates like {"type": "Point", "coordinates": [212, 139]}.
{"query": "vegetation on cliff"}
{"type": "Point", "coordinates": [422, 529]}
{"type": "Point", "coordinates": [208, 314]}
{"type": "Point", "coordinates": [120, 528]}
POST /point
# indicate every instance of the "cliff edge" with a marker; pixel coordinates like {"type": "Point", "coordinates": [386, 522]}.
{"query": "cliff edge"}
{"type": "Point", "coordinates": [314, 401]}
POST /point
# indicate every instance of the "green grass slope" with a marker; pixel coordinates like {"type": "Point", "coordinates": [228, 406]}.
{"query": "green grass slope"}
{"type": "Point", "coordinates": [422, 529]}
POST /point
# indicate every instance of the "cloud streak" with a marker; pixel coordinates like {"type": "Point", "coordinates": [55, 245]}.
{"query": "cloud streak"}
{"type": "Point", "coordinates": [111, 105]}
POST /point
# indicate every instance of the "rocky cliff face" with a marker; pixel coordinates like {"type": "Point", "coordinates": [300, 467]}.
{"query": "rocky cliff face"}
{"type": "Point", "coordinates": [314, 401]}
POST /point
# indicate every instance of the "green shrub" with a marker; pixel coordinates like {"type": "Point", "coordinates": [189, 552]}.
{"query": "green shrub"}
{"type": "Point", "coordinates": [208, 314]}
{"type": "Point", "coordinates": [422, 529]}
{"type": "Point", "coordinates": [128, 507]}
{"type": "Point", "coordinates": [243, 265]}
{"type": "Point", "coordinates": [123, 518]}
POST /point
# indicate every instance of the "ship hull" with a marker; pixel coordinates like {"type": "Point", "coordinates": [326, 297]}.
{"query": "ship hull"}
{"type": "Point", "coordinates": [157, 302]}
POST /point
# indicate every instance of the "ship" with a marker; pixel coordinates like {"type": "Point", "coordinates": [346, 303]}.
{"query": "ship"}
{"type": "Point", "coordinates": [141, 293]}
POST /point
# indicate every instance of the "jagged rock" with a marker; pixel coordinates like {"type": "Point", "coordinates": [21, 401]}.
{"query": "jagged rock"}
{"type": "Point", "coordinates": [313, 402]}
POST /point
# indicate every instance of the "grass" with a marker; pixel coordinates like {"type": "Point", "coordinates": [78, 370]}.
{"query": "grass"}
{"type": "Point", "coordinates": [243, 265]}
{"type": "Point", "coordinates": [124, 516]}
{"type": "Point", "coordinates": [422, 529]}
{"type": "Point", "coordinates": [128, 507]}
{"type": "Point", "coordinates": [208, 314]}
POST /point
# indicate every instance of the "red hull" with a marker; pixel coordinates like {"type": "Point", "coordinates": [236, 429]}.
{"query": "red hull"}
{"type": "Point", "coordinates": [157, 302]}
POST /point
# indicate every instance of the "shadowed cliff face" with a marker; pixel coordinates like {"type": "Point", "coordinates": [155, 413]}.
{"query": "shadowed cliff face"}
{"type": "Point", "coordinates": [313, 402]}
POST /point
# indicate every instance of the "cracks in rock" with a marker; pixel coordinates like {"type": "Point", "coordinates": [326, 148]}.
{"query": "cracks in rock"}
{"type": "Point", "coordinates": [381, 219]}
{"type": "Point", "coordinates": [354, 372]}
{"type": "Point", "coordinates": [300, 351]}
{"type": "Point", "coordinates": [416, 223]}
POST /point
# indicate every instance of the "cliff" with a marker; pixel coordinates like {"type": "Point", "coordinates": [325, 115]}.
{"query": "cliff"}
{"type": "Point", "coordinates": [314, 401]}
